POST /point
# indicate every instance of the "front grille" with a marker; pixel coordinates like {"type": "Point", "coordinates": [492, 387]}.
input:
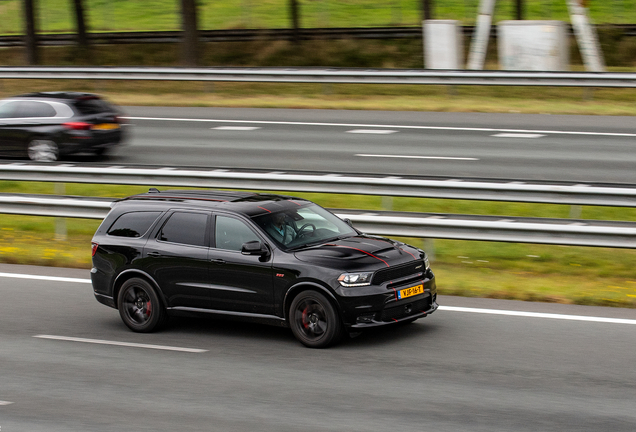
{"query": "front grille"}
{"type": "Point", "coordinates": [398, 272]}
{"type": "Point", "coordinates": [406, 309]}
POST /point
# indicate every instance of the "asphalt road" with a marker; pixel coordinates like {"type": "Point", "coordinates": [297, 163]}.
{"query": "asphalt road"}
{"type": "Point", "coordinates": [509, 146]}
{"type": "Point", "coordinates": [452, 371]}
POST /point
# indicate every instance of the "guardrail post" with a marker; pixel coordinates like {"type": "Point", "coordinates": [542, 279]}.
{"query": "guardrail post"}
{"type": "Point", "coordinates": [576, 211]}
{"type": "Point", "coordinates": [387, 203]}
{"type": "Point", "coordinates": [60, 222]}
{"type": "Point", "coordinates": [429, 248]}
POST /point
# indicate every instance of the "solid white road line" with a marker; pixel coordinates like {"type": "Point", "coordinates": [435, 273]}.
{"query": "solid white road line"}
{"type": "Point", "coordinates": [5, 403]}
{"type": "Point", "coordinates": [45, 278]}
{"type": "Point", "coordinates": [416, 157]}
{"type": "Point", "coordinates": [539, 315]}
{"type": "Point", "coordinates": [356, 125]}
{"type": "Point", "coordinates": [517, 135]}
{"type": "Point", "coordinates": [446, 308]}
{"type": "Point", "coordinates": [125, 344]}
{"type": "Point", "coordinates": [236, 128]}
{"type": "Point", "coordinates": [371, 131]}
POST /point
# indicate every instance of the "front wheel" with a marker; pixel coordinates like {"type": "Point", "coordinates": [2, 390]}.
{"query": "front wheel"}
{"type": "Point", "coordinates": [43, 150]}
{"type": "Point", "coordinates": [140, 307]}
{"type": "Point", "coordinates": [313, 320]}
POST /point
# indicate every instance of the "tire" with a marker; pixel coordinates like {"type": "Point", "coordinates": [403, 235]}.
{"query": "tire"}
{"type": "Point", "coordinates": [139, 306]}
{"type": "Point", "coordinates": [313, 320]}
{"type": "Point", "coordinates": [43, 150]}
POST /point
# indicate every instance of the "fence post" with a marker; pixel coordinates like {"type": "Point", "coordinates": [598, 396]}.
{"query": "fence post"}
{"type": "Point", "coordinates": [61, 233]}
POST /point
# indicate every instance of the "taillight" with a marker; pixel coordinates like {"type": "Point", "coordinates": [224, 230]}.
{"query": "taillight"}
{"type": "Point", "coordinates": [95, 246]}
{"type": "Point", "coordinates": [77, 125]}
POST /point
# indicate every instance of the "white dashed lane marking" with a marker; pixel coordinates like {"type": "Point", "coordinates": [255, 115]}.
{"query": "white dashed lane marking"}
{"type": "Point", "coordinates": [371, 131]}
{"type": "Point", "coordinates": [517, 135]}
{"type": "Point", "coordinates": [236, 128]}
{"type": "Point", "coordinates": [5, 403]}
{"type": "Point", "coordinates": [116, 343]}
{"type": "Point", "coordinates": [416, 157]}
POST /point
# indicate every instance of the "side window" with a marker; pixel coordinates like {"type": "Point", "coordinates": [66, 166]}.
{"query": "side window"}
{"type": "Point", "coordinates": [133, 224]}
{"type": "Point", "coordinates": [231, 233]}
{"type": "Point", "coordinates": [9, 110]}
{"type": "Point", "coordinates": [185, 228]}
{"type": "Point", "coordinates": [35, 109]}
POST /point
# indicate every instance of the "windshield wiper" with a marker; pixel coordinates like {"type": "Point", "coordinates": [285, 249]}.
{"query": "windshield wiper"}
{"type": "Point", "coordinates": [319, 242]}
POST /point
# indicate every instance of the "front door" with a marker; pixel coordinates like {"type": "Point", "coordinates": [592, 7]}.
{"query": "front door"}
{"type": "Point", "coordinates": [239, 283]}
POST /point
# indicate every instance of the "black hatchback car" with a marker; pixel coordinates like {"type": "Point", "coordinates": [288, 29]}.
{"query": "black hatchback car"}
{"type": "Point", "coordinates": [45, 126]}
{"type": "Point", "coordinates": [265, 258]}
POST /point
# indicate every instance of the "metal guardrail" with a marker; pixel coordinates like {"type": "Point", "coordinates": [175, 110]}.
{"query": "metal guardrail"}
{"type": "Point", "coordinates": [420, 187]}
{"type": "Point", "coordinates": [329, 76]}
{"type": "Point", "coordinates": [237, 35]}
{"type": "Point", "coordinates": [399, 224]}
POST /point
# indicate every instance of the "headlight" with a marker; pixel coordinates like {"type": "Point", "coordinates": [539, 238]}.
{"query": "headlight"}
{"type": "Point", "coordinates": [427, 265]}
{"type": "Point", "coordinates": [355, 279]}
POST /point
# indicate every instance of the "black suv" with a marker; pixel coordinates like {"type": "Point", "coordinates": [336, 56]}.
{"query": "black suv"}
{"type": "Point", "coordinates": [266, 258]}
{"type": "Point", "coordinates": [45, 126]}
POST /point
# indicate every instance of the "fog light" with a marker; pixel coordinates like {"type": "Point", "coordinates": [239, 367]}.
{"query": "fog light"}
{"type": "Point", "coordinates": [366, 318]}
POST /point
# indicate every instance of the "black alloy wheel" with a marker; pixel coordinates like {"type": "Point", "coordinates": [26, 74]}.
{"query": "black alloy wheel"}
{"type": "Point", "coordinates": [313, 320]}
{"type": "Point", "coordinates": [43, 150]}
{"type": "Point", "coordinates": [139, 306]}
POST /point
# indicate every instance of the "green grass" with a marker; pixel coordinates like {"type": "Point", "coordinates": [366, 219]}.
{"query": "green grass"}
{"type": "Point", "coordinates": [577, 275]}
{"type": "Point", "coordinates": [56, 16]}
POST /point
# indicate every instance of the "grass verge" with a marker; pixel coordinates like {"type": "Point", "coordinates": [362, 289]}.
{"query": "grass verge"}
{"type": "Point", "coordinates": [562, 274]}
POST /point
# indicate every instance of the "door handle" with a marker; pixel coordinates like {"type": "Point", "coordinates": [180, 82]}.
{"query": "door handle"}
{"type": "Point", "coordinates": [217, 261]}
{"type": "Point", "coordinates": [154, 254]}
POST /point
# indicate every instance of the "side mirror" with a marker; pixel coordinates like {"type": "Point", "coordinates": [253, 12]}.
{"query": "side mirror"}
{"type": "Point", "coordinates": [348, 222]}
{"type": "Point", "coordinates": [254, 248]}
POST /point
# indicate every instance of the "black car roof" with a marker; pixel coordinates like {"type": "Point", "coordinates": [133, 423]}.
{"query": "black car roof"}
{"type": "Point", "coordinates": [65, 95]}
{"type": "Point", "coordinates": [247, 203]}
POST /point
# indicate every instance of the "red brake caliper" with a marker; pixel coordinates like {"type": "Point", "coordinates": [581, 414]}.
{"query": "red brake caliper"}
{"type": "Point", "coordinates": [305, 323]}
{"type": "Point", "coordinates": [148, 308]}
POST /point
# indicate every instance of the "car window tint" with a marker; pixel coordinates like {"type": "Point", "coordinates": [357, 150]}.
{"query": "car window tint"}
{"type": "Point", "coordinates": [35, 109]}
{"type": "Point", "coordinates": [231, 233]}
{"type": "Point", "coordinates": [93, 106]}
{"type": "Point", "coordinates": [185, 228]}
{"type": "Point", "coordinates": [133, 224]}
{"type": "Point", "coordinates": [9, 110]}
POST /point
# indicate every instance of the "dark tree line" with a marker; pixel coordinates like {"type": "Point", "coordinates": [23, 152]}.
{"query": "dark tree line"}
{"type": "Point", "coordinates": [189, 26]}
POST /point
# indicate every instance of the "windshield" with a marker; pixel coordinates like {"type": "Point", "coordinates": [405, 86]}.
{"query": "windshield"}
{"type": "Point", "coordinates": [304, 226]}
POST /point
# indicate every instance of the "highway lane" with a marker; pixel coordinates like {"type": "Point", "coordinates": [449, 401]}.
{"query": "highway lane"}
{"type": "Point", "coordinates": [453, 371]}
{"type": "Point", "coordinates": [516, 146]}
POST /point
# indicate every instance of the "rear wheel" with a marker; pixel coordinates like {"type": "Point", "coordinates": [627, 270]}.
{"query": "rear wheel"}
{"type": "Point", "coordinates": [313, 320]}
{"type": "Point", "coordinates": [43, 150]}
{"type": "Point", "coordinates": [139, 306]}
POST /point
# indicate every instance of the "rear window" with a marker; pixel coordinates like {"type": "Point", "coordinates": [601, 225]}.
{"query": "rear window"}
{"type": "Point", "coordinates": [185, 228]}
{"type": "Point", "coordinates": [30, 109]}
{"type": "Point", "coordinates": [133, 224]}
{"type": "Point", "coordinates": [93, 106]}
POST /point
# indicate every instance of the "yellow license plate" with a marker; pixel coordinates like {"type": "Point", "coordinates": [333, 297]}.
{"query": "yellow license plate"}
{"type": "Point", "coordinates": [409, 292]}
{"type": "Point", "coordinates": [106, 126]}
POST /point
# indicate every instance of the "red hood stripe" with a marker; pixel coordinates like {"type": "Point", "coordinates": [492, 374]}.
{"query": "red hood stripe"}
{"type": "Point", "coordinates": [365, 252]}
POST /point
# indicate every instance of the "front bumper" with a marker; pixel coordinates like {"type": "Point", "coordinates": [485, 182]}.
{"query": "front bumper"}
{"type": "Point", "coordinates": [380, 306]}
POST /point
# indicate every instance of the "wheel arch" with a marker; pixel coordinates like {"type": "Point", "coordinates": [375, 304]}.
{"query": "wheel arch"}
{"type": "Point", "coordinates": [132, 273]}
{"type": "Point", "coordinates": [306, 286]}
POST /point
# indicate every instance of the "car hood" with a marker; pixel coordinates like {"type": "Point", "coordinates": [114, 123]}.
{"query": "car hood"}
{"type": "Point", "coordinates": [359, 252]}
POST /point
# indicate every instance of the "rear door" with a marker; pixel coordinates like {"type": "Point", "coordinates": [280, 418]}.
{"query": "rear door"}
{"type": "Point", "coordinates": [177, 258]}
{"type": "Point", "coordinates": [9, 143]}
{"type": "Point", "coordinates": [239, 283]}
